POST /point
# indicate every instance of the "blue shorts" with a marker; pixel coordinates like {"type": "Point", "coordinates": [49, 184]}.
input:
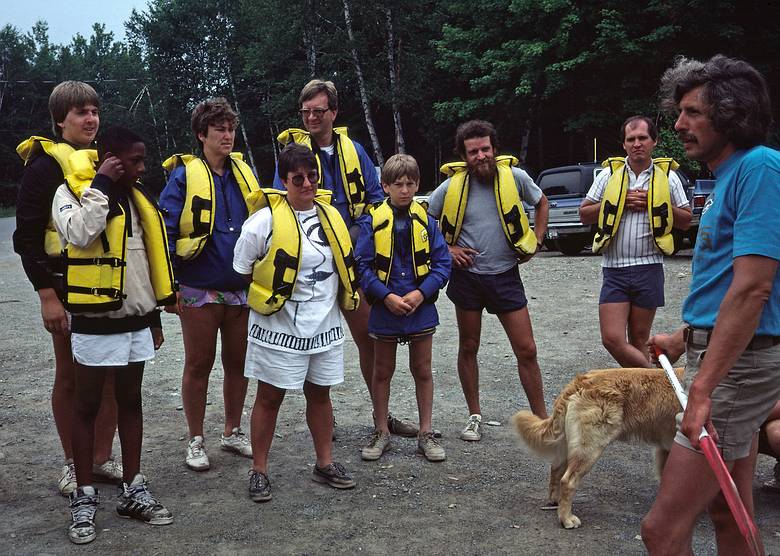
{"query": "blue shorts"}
{"type": "Point", "coordinates": [498, 293]}
{"type": "Point", "coordinates": [641, 285]}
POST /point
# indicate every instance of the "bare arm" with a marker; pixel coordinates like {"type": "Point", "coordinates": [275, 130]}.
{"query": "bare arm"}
{"type": "Point", "coordinates": [589, 212]}
{"type": "Point", "coordinates": [738, 318]}
{"type": "Point", "coordinates": [682, 217]}
{"type": "Point", "coordinates": [541, 216]}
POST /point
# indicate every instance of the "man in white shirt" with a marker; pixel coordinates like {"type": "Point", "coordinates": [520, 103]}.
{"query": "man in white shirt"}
{"type": "Point", "coordinates": [633, 286]}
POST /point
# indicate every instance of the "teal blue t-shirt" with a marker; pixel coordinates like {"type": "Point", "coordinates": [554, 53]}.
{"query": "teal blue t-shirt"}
{"type": "Point", "coordinates": [741, 217]}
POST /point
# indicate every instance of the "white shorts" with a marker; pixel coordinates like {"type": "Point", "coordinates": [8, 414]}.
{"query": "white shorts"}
{"type": "Point", "coordinates": [290, 370]}
{"type": "Point", "coordinates": [112, 350]}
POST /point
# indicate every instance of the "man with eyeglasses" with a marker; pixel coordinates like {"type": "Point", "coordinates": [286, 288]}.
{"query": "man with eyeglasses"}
{"type": "Point", "coordinates": [345, 168]}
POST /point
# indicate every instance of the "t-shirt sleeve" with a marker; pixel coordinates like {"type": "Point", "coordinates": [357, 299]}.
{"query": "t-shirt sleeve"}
{"type": "Point", "coordinates": [529, 191]}
{"type": "Point", "coordinates": [253, 241]}
{"type": "Point", "coordinates": [596, 191]}
{"type": "Point", "coordinates": [436, 200]}
{"type": "Point", "coordinates": [757, 212]}
{"type": "Point", "coordinates": [679, 199]}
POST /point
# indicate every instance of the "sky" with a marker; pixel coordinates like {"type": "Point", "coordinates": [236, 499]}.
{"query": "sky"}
{"type": "Point", "coordinates": [68, 17]}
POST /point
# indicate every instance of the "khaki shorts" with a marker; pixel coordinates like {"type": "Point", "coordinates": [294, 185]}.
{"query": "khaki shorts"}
{"type": "Point", "coordinates": [742, 400]}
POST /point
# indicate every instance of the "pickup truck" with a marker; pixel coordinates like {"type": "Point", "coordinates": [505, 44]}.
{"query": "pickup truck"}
{"type": "Point", "coordinates": [697, 196]}
{"type": "Point", "coordinates": [565, 187]}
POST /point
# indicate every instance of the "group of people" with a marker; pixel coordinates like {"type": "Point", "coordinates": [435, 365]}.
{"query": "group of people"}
{"type": "Point", "coordinates": [273, 269]}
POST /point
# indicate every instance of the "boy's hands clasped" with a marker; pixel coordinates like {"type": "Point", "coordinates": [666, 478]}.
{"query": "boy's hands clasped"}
{"type": "Point", "coordinates": [406, 305]}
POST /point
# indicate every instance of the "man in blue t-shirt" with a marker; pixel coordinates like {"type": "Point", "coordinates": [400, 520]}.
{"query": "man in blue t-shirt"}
{"type": "Point", "coordinates": [346, 170]}
{"type": "Point", "coordinates": [733, 309]}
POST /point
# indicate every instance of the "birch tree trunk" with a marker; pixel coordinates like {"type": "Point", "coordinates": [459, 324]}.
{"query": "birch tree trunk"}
{"type": "Point", "coordinates": [380, 159]}
{"type": "Point", "coordinates": [394, 71]}
{"type": "Point", "coordinates": [309, 42]}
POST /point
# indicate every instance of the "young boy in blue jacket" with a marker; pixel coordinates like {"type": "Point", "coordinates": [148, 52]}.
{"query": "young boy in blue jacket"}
{"type": "Point", "coordinates": [403, 262]}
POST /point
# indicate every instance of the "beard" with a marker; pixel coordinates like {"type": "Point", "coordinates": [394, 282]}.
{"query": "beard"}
{"type": "Point", "coordinates": [484, 172]}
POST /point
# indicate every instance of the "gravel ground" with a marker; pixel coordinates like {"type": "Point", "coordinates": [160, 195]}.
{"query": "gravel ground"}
{"type": "Point", "coordinates": [483, 500]}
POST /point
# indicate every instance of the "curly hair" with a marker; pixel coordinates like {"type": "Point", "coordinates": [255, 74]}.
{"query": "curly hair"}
{"type": "Point", "coordinates": [472, 129]}
{"type": "Point", "coordinates": [211, 112]}
{"type": "Point", "coordinates": [737, 95]}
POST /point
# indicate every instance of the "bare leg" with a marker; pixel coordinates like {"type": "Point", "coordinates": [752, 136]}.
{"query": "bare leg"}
{"type": "Point", "coordinates": [233, 333]}
{"type": "Point", "coordinates": [517, 325]}
{"type": "Point", "coordinates": [420, 365]}
{"type": "Point", "coordinates": [87, 397]}
{"type": "Point", "coordinates": [613, 319]}
{"type": "Point", "coordinates": [264, 413]}
{"type": "Point", "coordinates": [469, 330]}
{"type": "Point", "coordinates": [640, 321]}
{"type": "Point", "coordinates": [384, 367]}
{"type": "Point", "coordinates": [106, 421]}
{"type": "Point", "coordinates": [687, 489]}
{"type": "Point", "coordinates": [131, 428]}
{"type": "Point", "coordinates": [319, 416]}
{"type": "Point", "coordinates": [358, 326]}
{"type": "Point", "coordinates": [199, 330]}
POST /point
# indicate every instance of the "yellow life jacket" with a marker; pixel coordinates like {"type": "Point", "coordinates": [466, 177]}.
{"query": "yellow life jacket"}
{"type": "Point", "coordinates": [659, 204]}
{"type": "Point", "coordinates": [197, 219]}
{"type": "Point", "coordinates": [274, 276]}
{"type": "Point", "coordinates": [95, 274]}
{"type": "Point", "coordinates": [60, 152]}
{"type": "Point", "coordinates": [384, 248]}
{"type": "Point", "coordinates": [514, 221]}
{"type": "Point", "coordinates": [348, 162]}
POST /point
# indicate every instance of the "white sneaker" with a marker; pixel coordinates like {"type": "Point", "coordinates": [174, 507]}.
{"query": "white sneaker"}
{"type": "Point", "coordinates": [471, 432]}
{"type": "Point", "coordinates": [110, 470]}
{"type": "Point", "coordinates": [196, 459]}
{"type": "Point", "coordinates": [67, 482]}
{"type": "Point", "coordinates": [238, 443]}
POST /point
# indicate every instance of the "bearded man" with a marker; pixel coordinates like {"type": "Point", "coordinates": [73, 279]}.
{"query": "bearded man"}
{"type": "Point", "coordinates": [481, 214]}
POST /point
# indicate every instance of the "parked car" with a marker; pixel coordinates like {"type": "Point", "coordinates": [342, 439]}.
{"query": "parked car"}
{"type": "Point", "coordinates": [565, 188]}
{"type": "Point", "coordinates": [699, 193]}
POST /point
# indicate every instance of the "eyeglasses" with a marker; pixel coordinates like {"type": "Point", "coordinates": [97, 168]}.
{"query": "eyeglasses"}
{"type": "Point", "coordinates": [297, 179]}
{"type": "Point", "coordinates": [316, 112]}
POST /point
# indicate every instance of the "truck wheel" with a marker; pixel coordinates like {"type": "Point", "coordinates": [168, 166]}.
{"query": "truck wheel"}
{"type": "Point", "coordinates": [570, 246]}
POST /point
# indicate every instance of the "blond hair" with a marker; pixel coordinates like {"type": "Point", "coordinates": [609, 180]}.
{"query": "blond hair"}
{"type": "Point", "coordinates": [399, 166]}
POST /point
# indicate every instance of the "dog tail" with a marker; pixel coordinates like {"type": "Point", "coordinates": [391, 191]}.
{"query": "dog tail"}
{"type": "Point", "coordinates": [541, 435]}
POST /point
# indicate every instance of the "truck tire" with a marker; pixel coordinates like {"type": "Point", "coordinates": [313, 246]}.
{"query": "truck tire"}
{"type": "Point", "coordinates": [570, 246]}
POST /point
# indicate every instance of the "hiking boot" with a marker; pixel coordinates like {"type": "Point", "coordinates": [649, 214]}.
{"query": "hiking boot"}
{"type": "Point", "coordinates": [67, 482]}
{"type": "Point", "coordinates": [401, 427]}
{"type": "Point", "coordinates": [333, 474]}
{"type": "Point", "coordinates": [83, 505]}
{"type": "Point", "coordinates": [135, 502]}
{"type": "Point", "coordinates": [471, 432]}
{"type": "Point", "coordinates": [378, 445]}
{"type": "Point", "coordinates": [430, 447]}
{"type": "Point", "coordinates": [110, 471]}
{"type": "Point", "coordinates": [259, 486]}
{"type": "Point", "coordinates": [196, 459]}
{"type": "Point", "coordinates": [237, 442]}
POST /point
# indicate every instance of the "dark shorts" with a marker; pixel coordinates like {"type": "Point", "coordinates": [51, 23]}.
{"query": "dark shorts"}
{"type": "Point", "coordinates": [641, 285]}
{"type": "Point", "coordinates": [404, 339]}
{"type": "Point", "coordinates": [498, 293]}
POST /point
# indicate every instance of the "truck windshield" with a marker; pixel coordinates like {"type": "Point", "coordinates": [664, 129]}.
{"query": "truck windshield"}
{"type": "Point", "coordinates": [562, 183]}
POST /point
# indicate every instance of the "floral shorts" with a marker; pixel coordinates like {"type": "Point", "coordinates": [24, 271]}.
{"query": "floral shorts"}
{"type": "Point", "coordinates": [198, 297]}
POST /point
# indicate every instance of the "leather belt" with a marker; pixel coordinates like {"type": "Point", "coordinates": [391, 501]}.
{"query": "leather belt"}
{"type": "Point", "coordinates": [700, 337]}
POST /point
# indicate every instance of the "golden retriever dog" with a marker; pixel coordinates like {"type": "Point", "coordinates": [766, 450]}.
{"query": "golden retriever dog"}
{"type": "Point", "coordinates": [595, 409]}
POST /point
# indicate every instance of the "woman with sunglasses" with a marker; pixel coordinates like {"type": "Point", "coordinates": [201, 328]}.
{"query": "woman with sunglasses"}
{"type": "Point", "coordinates": [295, 252]}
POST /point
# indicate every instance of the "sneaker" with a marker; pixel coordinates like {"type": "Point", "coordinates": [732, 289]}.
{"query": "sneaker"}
{"type": "Point", "coordinates": [196, 459]}
{"type": "Point", "coordinates": [430, 447]}
{"type": "Point", "coordinates": [259, 486]}
{"type": "Point", "coordinates": [471, 432]}
{"type": "Point", "coordinates": [378, 445]}
{"type": "Point", "coordinates": [400, 427]}
{"type": "Point", "coordinates": [333, 474]}
{"type": "Point", "coordinates": [110, 471]}
{"type": "Point", "coordinates": [83, 505]}
{"type": "Point", "coordinates": [67, 483]}
{"type": "Point", "coordinates": [237, 442]}
{"type": "Point", "coordinates": [136, 502]}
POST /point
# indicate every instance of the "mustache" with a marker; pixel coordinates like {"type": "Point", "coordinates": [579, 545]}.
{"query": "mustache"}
{"type": "Point", "coordinates": [686, 137]}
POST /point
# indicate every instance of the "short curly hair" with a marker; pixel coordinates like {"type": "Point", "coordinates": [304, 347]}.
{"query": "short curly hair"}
{"type": "Point", "coordinates": [737, 95]}
{"type": "Point", "coordinates": [210, 112]}
{"type": "Point", "coordinates": [472, 129]}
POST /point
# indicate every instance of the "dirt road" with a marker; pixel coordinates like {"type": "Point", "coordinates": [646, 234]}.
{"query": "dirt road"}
{"type": "Point", "coordinates": [483, 500]}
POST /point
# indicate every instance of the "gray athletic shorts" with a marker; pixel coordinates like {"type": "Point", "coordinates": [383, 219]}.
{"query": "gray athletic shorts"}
{"type": "Point", "coordinates": [742, 400]}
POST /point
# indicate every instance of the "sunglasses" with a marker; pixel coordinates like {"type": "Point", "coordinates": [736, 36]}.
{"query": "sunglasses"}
{"type": "Point", "coordinates": [316, 112]}
{"type": "Point", "coordinates": [298, 179]}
